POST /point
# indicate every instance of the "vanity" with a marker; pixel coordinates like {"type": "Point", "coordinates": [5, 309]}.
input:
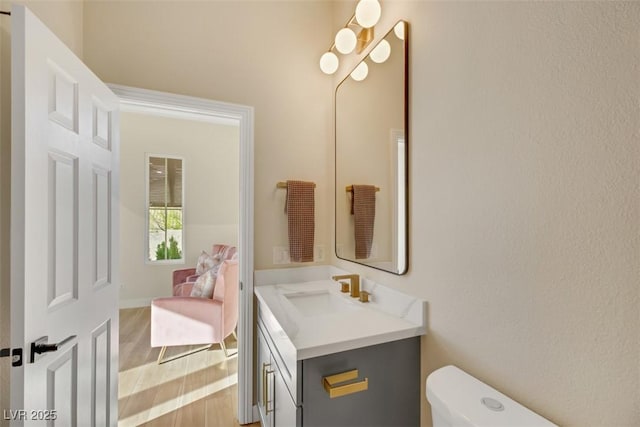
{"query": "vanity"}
{"type": "Point", "coordinates": [325, 358]}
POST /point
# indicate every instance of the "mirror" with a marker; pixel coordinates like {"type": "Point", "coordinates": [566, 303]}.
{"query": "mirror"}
{"type": "Point", "coordinates": [371, 158]}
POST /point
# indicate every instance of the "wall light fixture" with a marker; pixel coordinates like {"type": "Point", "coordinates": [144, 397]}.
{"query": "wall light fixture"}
{"type": "Point", "coordinates": [356, 34]}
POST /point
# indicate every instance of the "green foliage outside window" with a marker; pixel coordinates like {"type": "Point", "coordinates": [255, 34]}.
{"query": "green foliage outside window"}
{"type": "Point", "coordinates": [165, 220]}
{"type": "Point", "coordinates": [172, 252]}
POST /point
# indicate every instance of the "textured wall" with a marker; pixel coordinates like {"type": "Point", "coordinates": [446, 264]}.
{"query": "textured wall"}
{"type": "Point", "coordinates": [524, 199]}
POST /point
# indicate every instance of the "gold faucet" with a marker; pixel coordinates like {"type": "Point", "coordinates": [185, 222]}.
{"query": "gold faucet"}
{"type": "Point", "coordinates": [354, 279]}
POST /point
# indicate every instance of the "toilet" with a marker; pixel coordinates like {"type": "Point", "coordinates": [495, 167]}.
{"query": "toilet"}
{"type": "Point", "coordinates": [460, 400]}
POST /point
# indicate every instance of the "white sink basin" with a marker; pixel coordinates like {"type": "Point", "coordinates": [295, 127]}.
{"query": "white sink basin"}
{"type": "Point", "coordinates": [317, 303]}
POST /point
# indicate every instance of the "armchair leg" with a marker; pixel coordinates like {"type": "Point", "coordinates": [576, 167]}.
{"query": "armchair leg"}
{"type": "Point", "coordinates": [224, 348]}
{"type": "Point", "coordinates": [160, 361]}
{"type": "Point", "coordinates": [161, 355]}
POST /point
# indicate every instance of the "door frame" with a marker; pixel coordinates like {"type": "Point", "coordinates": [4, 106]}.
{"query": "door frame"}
{"type": "Point", "coordinates": [153, 101]}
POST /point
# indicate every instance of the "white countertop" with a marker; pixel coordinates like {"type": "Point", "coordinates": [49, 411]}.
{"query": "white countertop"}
{"type": "Point", "coordinates": [389, 316]}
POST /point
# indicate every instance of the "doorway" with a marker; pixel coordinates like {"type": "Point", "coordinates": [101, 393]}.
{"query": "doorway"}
{"type": "Point", "coordinates": [159, 103]}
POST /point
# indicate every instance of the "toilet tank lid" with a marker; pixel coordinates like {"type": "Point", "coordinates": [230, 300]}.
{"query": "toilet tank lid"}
{"type": "Point", "coordinates": [453, 392]}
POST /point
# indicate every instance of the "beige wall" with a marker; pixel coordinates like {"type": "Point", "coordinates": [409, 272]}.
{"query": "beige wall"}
{"type": "Point", "coordinates": [64, 18]}
{"type": "Point", "coordinates": [524, 199]}
{"type": "Point", "coordinates": [263, 54]}
{"type": "Point", "coordinates": [210, 164]}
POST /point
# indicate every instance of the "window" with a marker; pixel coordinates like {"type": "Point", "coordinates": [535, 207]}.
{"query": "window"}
{"type": "Point", "coordinates": [165, 209]}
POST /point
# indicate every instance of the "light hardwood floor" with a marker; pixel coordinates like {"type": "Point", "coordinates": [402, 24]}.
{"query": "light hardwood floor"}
{"type": "Point", "coordinates": [195, 390]}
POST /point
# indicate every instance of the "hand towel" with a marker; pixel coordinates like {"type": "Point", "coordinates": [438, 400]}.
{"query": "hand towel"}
{"type": "Point", "coordinates": [363, 208]}
{"type": "Point", "coordinates": [299, 207]}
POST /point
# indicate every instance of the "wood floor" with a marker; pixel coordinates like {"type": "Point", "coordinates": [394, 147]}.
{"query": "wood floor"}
{"type": "Point", "coordinates": [195, 390]}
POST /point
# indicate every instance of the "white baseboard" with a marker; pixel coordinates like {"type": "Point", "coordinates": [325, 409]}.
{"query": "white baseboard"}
{"type": "Point", "coordinates": [134, 303]}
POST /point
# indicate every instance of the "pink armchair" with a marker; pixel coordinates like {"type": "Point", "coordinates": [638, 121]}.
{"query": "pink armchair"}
{"type": "Point", "coordinates": [184, 320]}
{"type": "Point", "coordinates": [183, 279]}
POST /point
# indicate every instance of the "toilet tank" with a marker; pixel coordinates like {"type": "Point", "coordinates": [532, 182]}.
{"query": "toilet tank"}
{"type": "Point", "coordinates": [460, 400]}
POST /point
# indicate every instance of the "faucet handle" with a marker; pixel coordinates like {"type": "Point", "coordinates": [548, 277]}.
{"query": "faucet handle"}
{"type": "Point", "coordinates": [354, 279]}
{"type": "Point", "coordinates": [344, 287]}
{"type": "Point", "coordinates": [364, 296]}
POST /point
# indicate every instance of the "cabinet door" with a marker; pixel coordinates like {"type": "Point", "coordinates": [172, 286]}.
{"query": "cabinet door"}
{"type": "Point", "coordinates": [392, 397]}
{"type": "Point", "coordinates": [264, 370]}
{"type": "Point", "coordinates": [285, 410]}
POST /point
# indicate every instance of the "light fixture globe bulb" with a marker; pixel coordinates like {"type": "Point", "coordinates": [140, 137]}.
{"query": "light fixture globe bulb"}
{"type": "Point", "coordinates": [399, 30]}
{"type": "Point", "coordinates": [360, 72]}
{"type": "Point", "coordinates": [345, 41]}
{"type": "Point", "coordinates": [381, 52]}
{"type": "Point", "coordinates": [368, 13]}
{"type": "Point", "coordinates": [329, 63]}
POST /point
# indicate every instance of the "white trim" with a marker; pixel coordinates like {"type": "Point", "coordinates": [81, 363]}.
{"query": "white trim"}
{"type": "Point", "coordinates": [178, 114]}
{"type": "Point", "coordinates": [400, 197]}
{"type": "Point", "coordinates": [132, 99]}
{"type": "Point", "coordinates": [398, 193]}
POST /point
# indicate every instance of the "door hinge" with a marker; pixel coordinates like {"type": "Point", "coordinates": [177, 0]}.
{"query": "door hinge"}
{"type": "Point", "coordinates": [241, 286]}
{"type": "Point", "coordinates": [15, 354]}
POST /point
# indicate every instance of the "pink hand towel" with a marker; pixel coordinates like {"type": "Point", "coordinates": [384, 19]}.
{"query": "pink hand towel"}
{"type": "Point", "coordinates": [299, 207]}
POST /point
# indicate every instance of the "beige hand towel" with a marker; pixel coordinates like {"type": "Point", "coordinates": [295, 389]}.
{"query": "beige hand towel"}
{"type": "Point", "coordinates": [363, 208]}
{"type": "Point", "coordinates": [299, 207]}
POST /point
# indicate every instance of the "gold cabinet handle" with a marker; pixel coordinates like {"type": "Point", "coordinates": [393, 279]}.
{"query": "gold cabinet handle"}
{"type": "Point", "coordinates": [265, 379]}
{"type": "Point", "coordinates": [333, 384]}
{"type": "Point", "coordinates": [264, 384]}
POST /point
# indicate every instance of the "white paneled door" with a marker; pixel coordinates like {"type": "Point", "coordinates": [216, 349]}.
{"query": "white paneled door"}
{"type": "Point", "coordinates": [64, 234]}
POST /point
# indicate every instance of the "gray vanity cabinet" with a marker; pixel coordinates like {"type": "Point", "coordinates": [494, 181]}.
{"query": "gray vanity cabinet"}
{"type": "Point", "coordinates": [390, 395]}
